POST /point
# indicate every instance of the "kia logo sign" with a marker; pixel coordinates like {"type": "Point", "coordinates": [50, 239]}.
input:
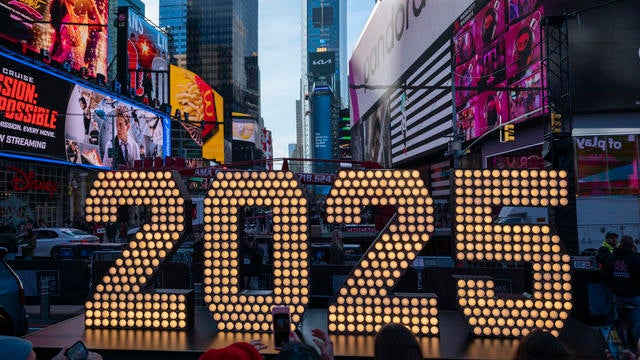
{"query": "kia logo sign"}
{"type": "Point", "coordinates": [321, 62]}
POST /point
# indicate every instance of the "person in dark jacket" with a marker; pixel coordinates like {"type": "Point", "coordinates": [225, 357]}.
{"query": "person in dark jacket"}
{"type": "Point", "coordinates": [621, 273]}
{"type": "Point", "coordinates": [610, 243]}
{"type": "Point", "coordinates": [336, 250]}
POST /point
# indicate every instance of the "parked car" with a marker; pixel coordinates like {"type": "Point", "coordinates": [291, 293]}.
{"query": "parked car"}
{"type": "Point", "coordinates": [47, 238]}
{"type": "Point", "coordinates": [13, 315]}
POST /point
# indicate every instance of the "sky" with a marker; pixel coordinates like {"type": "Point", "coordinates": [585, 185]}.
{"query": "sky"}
{"type": "Point", "coordinates": [279, 57]}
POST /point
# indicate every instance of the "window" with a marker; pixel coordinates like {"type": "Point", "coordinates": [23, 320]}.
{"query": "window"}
{"type": "Point", "coordinates": [322, 16]}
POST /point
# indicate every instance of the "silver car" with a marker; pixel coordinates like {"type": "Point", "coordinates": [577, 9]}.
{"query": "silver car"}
{"type": "Point", "coordinates": [47, 238]}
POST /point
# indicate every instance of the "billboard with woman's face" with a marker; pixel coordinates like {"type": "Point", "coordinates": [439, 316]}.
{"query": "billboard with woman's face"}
{"type": "Point", "coordinates": [72, 32]}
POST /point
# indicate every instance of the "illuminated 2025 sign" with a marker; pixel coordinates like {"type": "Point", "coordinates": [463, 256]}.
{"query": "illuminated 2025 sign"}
{"type": "Point", "coordinates": [366, 300]}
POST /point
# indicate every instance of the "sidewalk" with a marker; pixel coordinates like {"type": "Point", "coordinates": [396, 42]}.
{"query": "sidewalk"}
{"type": "Point", "coordinates": [57, 313]}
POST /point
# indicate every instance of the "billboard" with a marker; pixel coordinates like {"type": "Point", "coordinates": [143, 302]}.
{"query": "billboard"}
{"type": "Point", "coordinates": [72, 32]}
{"type": "Point", "coordinates": [193, 96]}
{"type": "Point", "coordinates": [143, 58]}
{"type": "Point", "coordinates": [497, 64]}
{"type": "Point", "coordinates": [246, 130]}
{"type": "Point", "coordinates": [267, 148]}
{"type": "Point", "coordinates": [607, 165]}
{"type": "Point", "coordinates": [322, 64]}
{"type": "Point", "coordinates": [396, 36]}
{"type": "Point", "coordinates": [603, 52]}
{"type": "Point", "coordinates": [44, 115]}
{"type": "Point", "coordinates": [321, 106]}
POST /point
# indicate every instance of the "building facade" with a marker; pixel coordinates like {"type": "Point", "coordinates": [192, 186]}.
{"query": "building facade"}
{"type": "Point", "coordinates": [173, 18]}
{"type": "Point", "coordinates": [222, 47]}
{"type": "Point", "coordinates": [324, 64]}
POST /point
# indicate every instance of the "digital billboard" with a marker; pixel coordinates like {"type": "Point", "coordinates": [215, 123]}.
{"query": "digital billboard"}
{"type": "Point", "coordinates": [607, 165]}
{"type": "Point", "coordinates": [143, 58]}
{"type": "Point", "coordinates": [322, 63]}
{"type": "Point", "coordinates": [497, 64]}
{"type": "Point", "coordinates": [72, 32]}
{"type": "Point", "coordinates": [245, 130]}
{"type": "Point", "coordinates": [604, 59]}
{"type": "Point", "coordinates": [395, 38]}
{"type": "Point", "coordinates": [321, 105]}
{"type": "Point", "coordinates": [267, 147]}
{"type": "Point", "coordinates": [44, 115]}
{"type": "Point", "coordinates": [193, 96]}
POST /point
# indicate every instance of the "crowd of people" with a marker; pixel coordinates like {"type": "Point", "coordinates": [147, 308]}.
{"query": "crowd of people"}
{"type": "Point", "coordinates": [620, 266]}
{"type": "Point", "coordinates": [392, 342]}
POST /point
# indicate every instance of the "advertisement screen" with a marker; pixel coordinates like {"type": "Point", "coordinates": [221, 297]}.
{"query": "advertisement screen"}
{"type": "Point", "coordinates": [74, 32]}
{"type": "Point", "coordinates": [267, 147]}
{"type": "Point", "coordinates": [322, 63]}
{"type": "Point", "coordinates": [607, 165]}
{"type": "Point", "coordinates": [193, 96]}
{"type": "Point", "coordinates": [603, 52]}
{"type": "Point", "coordinates": [323, 141]}
{"type": "Point", "coordinates": [245, 130]}
{"type": "Point", "coordinates": [46, 116]}
{"type": "Point", "coordinates": [497, 64]}
{"type": "Point", "coordinates": [146, 49]}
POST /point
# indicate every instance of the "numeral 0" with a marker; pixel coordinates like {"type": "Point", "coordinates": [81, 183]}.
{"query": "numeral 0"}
{"type": "Point", "coordinates": [242, 311]}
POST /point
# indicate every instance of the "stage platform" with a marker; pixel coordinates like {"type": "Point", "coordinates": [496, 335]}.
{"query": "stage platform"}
{"type": "Point", "coordinates": [454, 341]}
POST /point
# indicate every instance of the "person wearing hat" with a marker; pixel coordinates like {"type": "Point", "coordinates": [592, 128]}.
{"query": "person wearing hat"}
{"type": "Point", "coordinates": [604, 252]}
{"type": "Point", "coordinates": [15, 348]}
{"type": "Point", "coordinates": [235, 351]}
{"type": "Point", "coordinates": [610, 243]}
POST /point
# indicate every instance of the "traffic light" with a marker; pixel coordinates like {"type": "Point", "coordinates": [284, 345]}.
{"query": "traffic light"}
{"type": "Point", "coordinates": [556, 123]}
{"type": "Point", "coordinates": [508, 133]}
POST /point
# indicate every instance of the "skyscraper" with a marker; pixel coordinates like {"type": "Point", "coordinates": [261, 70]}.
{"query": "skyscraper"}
{"type": "Point", "coordinates": [173, 18]}
{"type": "Point", "coordinates": [324, 67]}
{"type": "Point", "coordinates": [222, 47]}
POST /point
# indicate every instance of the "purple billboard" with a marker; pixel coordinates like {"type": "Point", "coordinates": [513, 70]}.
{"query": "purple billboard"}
{"type": "Point", "coordinates": [497, 64]}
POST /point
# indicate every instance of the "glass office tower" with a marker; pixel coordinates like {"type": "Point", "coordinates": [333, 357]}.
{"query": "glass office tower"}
{"type": "Point", "coordinates": [173, 18]}
{"type": "Point", "coordinates": [222, 47]}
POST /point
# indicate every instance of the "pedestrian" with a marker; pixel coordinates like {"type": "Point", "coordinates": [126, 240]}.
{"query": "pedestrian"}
{"type": "Point", "coordinates": [621, 273]}
{"type": "Point", "coordinates": [235, 351]}
{"type": "Point", "coordinates": [28, 243]}
{"type": "Point", "coordinates": [252, 258]}
{"type": "Point", "coordinates": [336, 250]}
{"type": "Point", "coordinates": [606, 249]}
{"type": "Point", "coordinates": [540, 345]}
{"type": "Point", "coordinates": [395, 341]}
{"type": "Point", "coordinates": [604, 252]}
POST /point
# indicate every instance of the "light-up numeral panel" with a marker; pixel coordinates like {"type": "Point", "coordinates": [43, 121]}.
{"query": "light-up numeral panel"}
{"type": "Point", "coordinates": [365, 301]}
{"type": "Point", "coordinates": [479, 239]}
{"type": "Point", "coordinates": [121, 299]}
{"type": "Point", "coordinates": [245, 311]}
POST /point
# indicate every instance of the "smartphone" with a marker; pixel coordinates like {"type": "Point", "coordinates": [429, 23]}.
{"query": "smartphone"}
{"type": "Point", "coordinates": [281, 326]}
{"type": "Point", "coordinates": [77, 351]}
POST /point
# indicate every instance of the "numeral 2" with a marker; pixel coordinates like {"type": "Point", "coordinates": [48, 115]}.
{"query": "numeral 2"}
{"type": "Point", "coordinates": [121, 299]}
{"type": "Point", "coordinates": [365, 302]}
